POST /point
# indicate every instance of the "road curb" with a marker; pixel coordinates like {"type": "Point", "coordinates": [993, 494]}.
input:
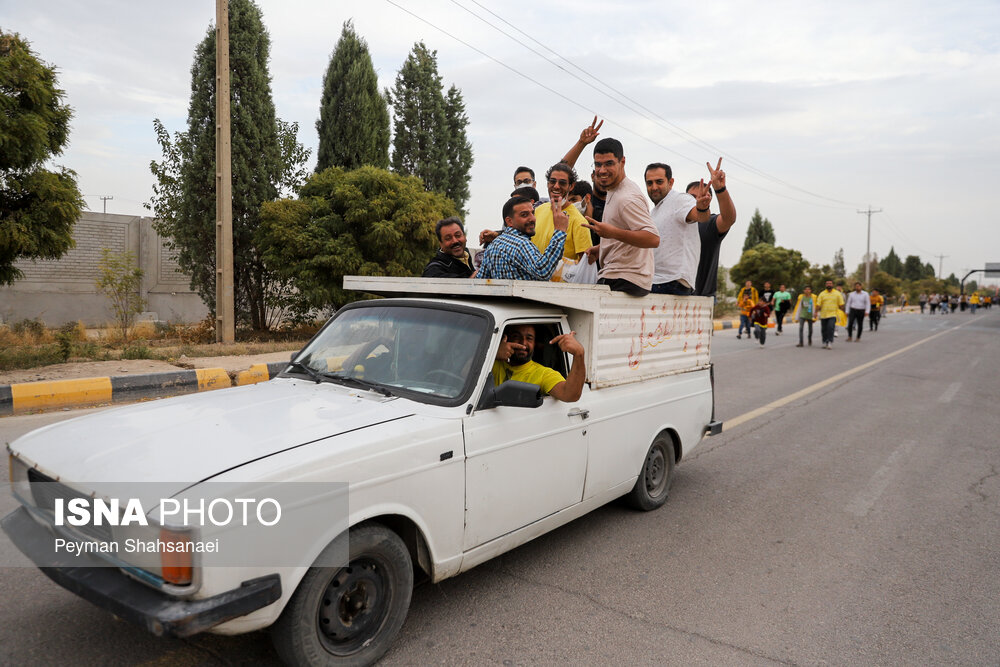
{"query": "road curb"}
{"type": "Point", "coordinates": [28, 396]}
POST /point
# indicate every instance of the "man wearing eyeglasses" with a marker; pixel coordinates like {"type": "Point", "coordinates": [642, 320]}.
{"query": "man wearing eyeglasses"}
{"type": "Point", "coordinates": [560, 179]}
{"type": "Point", "coordinates": [627, 232]}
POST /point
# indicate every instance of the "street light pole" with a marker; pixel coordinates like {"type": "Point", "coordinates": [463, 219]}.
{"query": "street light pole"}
{"type": "Point", "coordinates": [868, 246]}
{"type": "Point", "coordinates": [225, 311]}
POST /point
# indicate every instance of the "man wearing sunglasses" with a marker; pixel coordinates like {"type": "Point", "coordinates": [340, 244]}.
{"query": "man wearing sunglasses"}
{"type": "Point", "coordinates": [560, 179]}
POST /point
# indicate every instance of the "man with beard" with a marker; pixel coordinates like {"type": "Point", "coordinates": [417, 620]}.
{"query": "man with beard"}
{"type": "Point", "coordinates": [513, 256]}
{"type": "Point", "coordinates": [561, 178]}
{"type": "Point", "coordinates": [514, 362]}
{"type": "Point", "coordinates": [675, 215]}
{"type": "Point", "coordinates": [452, 260]}
{"type": "Point", "coordinates": [713, 231]}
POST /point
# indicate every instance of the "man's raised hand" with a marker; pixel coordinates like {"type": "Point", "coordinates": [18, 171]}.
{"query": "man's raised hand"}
{"type": "Point", "coordinates": [568, 343]}
{"type": "Point", "coordinates": [560, 221]}
{"type": "Point", "coordinates": [590, 133]}
{"type": "Point", "coordinates": [716, 176]}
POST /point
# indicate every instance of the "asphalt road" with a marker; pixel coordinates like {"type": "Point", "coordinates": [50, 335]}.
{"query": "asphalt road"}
{"type": "Point", "coordinates": [848, 514]}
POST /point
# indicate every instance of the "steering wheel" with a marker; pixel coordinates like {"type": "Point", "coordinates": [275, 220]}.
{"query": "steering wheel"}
{"type": "Point", "coordinates": [447, 374]}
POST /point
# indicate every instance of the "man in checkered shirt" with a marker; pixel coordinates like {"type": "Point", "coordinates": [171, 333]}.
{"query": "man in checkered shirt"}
{"type": "Point", "coordinates": [512, 255]}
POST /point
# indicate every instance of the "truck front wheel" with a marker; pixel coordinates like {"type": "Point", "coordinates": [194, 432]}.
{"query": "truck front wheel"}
{"type": "Point", "coordinates": [349, 615]}
{"type": "Point", "coordinates": [657, 474]}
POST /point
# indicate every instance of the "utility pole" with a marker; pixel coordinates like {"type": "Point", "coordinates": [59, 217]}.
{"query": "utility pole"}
{"type": "Point", "coordinates": [868, 246]}
{"type": "Point", "coordinates": [105, 200]}
{"type": "Point", "coordinates": [940, 264]}
{"type": "Point", "coordinates": [225, 310]}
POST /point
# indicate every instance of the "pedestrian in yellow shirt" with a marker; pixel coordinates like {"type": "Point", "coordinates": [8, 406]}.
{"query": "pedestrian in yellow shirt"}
{"type": "Point", "coordinates": [829, 303]}
{"type": "Point", "coordinates": [877, 302]}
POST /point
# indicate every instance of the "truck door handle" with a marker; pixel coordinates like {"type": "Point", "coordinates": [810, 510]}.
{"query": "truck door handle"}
{"type": "Point", "coordinates": [578, 412]}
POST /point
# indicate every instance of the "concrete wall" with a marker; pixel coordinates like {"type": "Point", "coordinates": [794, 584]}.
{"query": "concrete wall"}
{"type": "Point", "coordinates": [63, 290]}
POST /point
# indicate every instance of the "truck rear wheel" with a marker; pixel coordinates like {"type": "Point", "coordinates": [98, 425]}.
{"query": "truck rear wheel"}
{"type": "Point", "coordinates": [349, 615]}
{"type": "Point", "coordinates": [657, 474]}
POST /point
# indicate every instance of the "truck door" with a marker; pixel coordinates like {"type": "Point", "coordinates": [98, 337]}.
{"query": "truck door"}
{"type": "Point", "coordinates": [522, 464]}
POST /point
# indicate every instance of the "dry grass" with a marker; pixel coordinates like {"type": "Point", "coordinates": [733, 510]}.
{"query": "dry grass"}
{"type": "Point", "coordinates": [29, 344]}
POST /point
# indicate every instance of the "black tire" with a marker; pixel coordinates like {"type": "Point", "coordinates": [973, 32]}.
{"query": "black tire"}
{"type": "Point", "coordinates": [657, 474]}
{"type": "Point", "coordinates": [349, 615]}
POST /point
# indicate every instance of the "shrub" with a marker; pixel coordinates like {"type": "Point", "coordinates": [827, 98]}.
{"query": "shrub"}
{"type": "Point", "coordinates": [120, 280]}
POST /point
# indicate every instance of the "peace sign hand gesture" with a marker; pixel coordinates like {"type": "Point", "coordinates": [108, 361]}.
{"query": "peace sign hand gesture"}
{"type": "Point", "coordinates": [717, 176]}
{"type": "Point", "coordinates": [703, 195]}
{"type": "Point", "coordinates": [590, 133]}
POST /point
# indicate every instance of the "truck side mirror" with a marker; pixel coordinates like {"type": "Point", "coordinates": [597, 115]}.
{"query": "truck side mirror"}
{"type": "Point", "coordinates": [511, 393]}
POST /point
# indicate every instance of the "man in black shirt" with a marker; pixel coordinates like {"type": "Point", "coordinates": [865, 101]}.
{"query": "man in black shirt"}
{"type": "Point", "coordinates": [712, 232]}
{"type": "Point", "coordinates": [452, 260]}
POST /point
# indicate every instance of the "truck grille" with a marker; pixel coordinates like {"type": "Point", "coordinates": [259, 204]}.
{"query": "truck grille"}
{"type": "Point", "coordinates": [45, 491]}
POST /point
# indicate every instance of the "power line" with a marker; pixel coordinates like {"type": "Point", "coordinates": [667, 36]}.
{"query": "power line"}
{"type": "Point", "coordinates": [645, 112]}
{"type": "Point", "coordinates": [590, 110]}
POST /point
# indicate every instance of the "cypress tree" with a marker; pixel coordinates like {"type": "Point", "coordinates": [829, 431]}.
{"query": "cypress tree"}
{"type": "Point", "coordinates": [758, 231]}
{"type": "Point", "coordinates": [419, 122]}
{"type": "Point", "coordinates": [458, 149]}
{"type": "Point", "coordinates": [353, 120]}
{"type": "Point", "coordinates": [262, 161]}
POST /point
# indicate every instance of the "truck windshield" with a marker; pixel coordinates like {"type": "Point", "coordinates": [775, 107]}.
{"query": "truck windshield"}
{"type": "Point", "coordinates": [418, 352]}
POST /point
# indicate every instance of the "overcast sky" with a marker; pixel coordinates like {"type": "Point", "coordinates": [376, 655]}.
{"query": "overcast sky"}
{"type": "Point", "coordinates": [820, 108]}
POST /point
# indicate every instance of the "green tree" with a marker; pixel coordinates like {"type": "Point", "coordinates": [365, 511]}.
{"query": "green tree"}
{"type": "Point", "coordinates": [888, 285]}
{"type": "Point", "coordinates": [364, 222]}
{"type": "Point", "coordinates": [758, 231]}
{"type": "Point", "coordinates": [353, 120]}
{"type": "Point", "coordinates": [817, 275]}
{"type": "Point", "coordinates": [420, 128]}
{"type": "Point", "coordinates": [769, 263]}
{"type": "Point", "coordinates": [266, 159]}
{"type": "Point", "coordinates": [913, 268]}
{"type": "Point", "coordinates": [458, 149]}
{"type": "Point", "coordinates": [119, 279]}
{"type": "Point", "coordinates": [838, 264]}
{"type": "Point", "coordinates": [38, 207]}
{"type": "Point", "coordinates": [891, 264]}
{"type": "Point", "coordinates": [929, 271]}
{"type": "Point", "coordinates": [952, 280]}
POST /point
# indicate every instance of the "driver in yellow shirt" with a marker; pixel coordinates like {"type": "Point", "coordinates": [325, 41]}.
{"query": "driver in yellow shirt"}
{"type": "Point", "coordinates": [514, 362]}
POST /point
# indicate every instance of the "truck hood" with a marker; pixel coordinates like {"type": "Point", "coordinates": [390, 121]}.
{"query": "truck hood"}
{"type": "Point", "coordinates": [191, 438]}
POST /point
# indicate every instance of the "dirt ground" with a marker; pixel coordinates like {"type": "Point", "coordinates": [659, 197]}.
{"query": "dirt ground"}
{"type": "Point", "coordinates": [88, 369]}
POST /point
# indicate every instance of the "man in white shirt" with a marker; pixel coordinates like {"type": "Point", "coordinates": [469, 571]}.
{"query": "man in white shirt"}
{"type": "Point", "coordinates": [857, 306]}
{"type": "Point", "coordinates": [675, 215]}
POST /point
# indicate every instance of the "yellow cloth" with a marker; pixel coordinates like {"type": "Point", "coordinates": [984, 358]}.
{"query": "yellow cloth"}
{"type": "Point", "coordinates": [532, 372]}
{"type": "Point", "coordinates": [877, 302]}
{"type": "Point", "coordinates": [751, 292]}
{"type": "Point", "coordinates": [798, 302]}
{"type": "Point", "coordinates": [577, 236]}
{"type": "Point", "coordinates": [841, 318]}
{"type": "Point", "coordinates": [829, 302]}
{"type": "Point", "coordinates": [974, 299]}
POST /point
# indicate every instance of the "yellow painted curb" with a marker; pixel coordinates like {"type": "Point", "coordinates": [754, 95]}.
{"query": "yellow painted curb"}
{"type": "Point", "coordinates": [58, 393]}
{"type": "Point", "coordinates": [253, 375]}
{"type": "Point", "coordinates": [212, 378]}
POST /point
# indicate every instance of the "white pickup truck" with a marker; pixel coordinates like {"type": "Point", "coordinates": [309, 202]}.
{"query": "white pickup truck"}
{"type": "Point", "coordinates": [395, 399]}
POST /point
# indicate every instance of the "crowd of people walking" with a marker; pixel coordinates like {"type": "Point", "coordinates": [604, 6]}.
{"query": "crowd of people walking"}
{"type": "Point", "coordinates": [832, 307]}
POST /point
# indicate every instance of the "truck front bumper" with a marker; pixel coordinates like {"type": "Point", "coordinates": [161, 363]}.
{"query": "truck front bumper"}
{"type": "Point", "coordinates": [109, 588]}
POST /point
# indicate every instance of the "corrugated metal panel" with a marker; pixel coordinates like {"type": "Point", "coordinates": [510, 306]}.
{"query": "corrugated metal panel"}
{"type": "Point", "coordinates": [651, 337]}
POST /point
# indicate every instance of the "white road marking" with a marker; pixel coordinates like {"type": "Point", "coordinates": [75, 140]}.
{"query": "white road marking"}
{"type": "Point", "coordinates": [950, 392]}
{"type": "Point", "coordinates": [863, 503]}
